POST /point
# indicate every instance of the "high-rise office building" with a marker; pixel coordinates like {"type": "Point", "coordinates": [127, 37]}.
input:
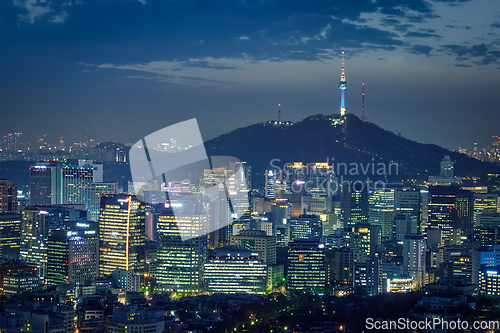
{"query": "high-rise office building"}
{"type": "Point", "coordinates": [487, 235]}
{"type": "Point", "coordinates": [61, 183]}
{"type": "Point", "coordinates": [368, 276]}
{"type": "Point", "coordinates": [127, 280]}
{"type": "Point", "coordinates": [316, 204]}
{"type": "Point", "coordinates": [8, 196]}
{"type": "Point", "coordinates": [414, 251]}
{"type": "Point", "coordinates": [451, 209]}
{"type": "Point", "coordinates": [271, 176]}
{"type": "Point", "coordinates": [121, 234]}
{"type": "Point", "coordinates": [464, 205]}
{"type": "Point", "coordinates": [407, 201]}
{"type": "Point", "coordinates": [344, 267]}
{"type": "Point", "coordinates": [235, 270]}
{"type": "Point", "coordinates": [20, 282]}
{"type": "Point", "coordinates": [364, 237]}
{"type": "Point", "coordinates": [99, 190]}
{"type": "Point", "coordinates": [306, 266]}
{"type": "Point", "coordinates": [257, 241]}
{"type": "Point", "coordinates": [10, 267]}
{"type": "Point", "coordinates": [34, 234]}
{"type": "Point", "coordinates": [180, 263]}
{"type": "Point", "coordinates": [45, 184]}
{"type": "Point", "coordinates": [219, 211]}
{"type": "Point", "coordinates": [489, 281]}
{"type": "Point", "coordinates": [36, 224]}
{"type": "Point", "coordinates": [381, 209]}
{"type": "Point", "coordinates": [466, 266]}
{"type": "Point", "coordinates": [73, 255]}
{"type": "Point", "coordinates": [447, 167]}
{"type": "Point", "coordinates": [10, 235]}
{"type": "Point", "coordinates": [281, 210]}
{"type": "Point", "coordinates": [282, 235]}
{"type": "Point", "coordinates": [353, 204]}
{"type": "Point", "coordinates": [404, 224]}
{"type": "Point", "coordinates": [306, 227]}
{"type": "Point", "coordinates": [484, 204]}
{"type": "Point", "coordinates": [77, 183]}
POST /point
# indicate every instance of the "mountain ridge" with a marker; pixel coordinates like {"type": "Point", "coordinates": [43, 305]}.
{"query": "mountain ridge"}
{"type": "Point", "coordinates": [321, 138]}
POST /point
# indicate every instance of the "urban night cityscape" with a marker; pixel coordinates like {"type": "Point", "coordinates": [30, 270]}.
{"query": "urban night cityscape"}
{"type": "Point", "coordinates": [190, 166]}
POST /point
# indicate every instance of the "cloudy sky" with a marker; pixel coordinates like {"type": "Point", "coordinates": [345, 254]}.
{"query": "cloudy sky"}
{"type": "Point", "coordinates": [127, 68]}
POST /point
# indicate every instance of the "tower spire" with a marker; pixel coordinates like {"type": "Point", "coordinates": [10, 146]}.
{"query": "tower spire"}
{"type": "Point", "coordinates": [363, 117]}
{"type": "Point", "coordinates": [342, 88]}
{"type": "Point", "coordinates": [279, 113]}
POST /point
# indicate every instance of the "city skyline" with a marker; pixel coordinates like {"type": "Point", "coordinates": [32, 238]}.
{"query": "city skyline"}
{"type": "Point", "coordinates": [429, 67]}
{"type": "Point", "coordinates": [249, 166]}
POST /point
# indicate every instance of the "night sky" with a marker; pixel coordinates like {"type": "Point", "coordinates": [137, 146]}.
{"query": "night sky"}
{"type": "Point", "coordinates": [127, 68]}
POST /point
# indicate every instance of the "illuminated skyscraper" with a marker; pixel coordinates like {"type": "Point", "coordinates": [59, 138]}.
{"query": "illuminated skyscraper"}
{"type": "Point", "coordinates": [484, 203]}
{"type": "Point", "coordinates": [59, 183]}
{"type": "Point", "coordinates": [258, 241]}
{"type": "Point", "coordinates": [464, 204]}
{"type": "Point", "coordinates": [353, 205]}
{"type": "Point", "coordinates": [270, 184]}
{"type": "Point", "coordinates": [232, 271]}
{"type": "Point", "coordinates": [34, 234]}
{"type": "Point", "coordinates": [77, 182]}
{"type": "Point", "coordinates": [36, 225]}
{"type": "Point", "coordinates": [306, 227]}
{"type": "Point", "coordinates": [451, 209]}
{"type": "Point", "coordinates": [72, 255]}
{"type": "Point", "coordinates": [10, 235]}
{"type": "Point", "coordinates": [98, 190]}
{"type": "Point", "coordinates": [381, 209]}
{"type": "Point", "coordinates": [364, 237]}
{"type": "Point", "coordinates": [221, 210]}
{"type": "Point", "coordinates": [404, 224]}
{"type": "Point", "coordinates": [306, 266]}
{"type": "Point", "coordinates": [45, 184]}
{"type": "Point", "coordinates": [368, 276]}
{"type": "Point", "coordinates": [8, 196]}
{"type": "Point", "coordinates": [414, 258]}
{"type": "Point", "coordinates": [180, 263]}
{"type": "Point", "coordinates": [407, 201]}
{"type": "Point", "coordinates": [122, 234]}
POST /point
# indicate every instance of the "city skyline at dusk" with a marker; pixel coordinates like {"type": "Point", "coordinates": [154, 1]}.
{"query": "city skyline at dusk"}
{"type": "Point", "coordinates": [272, 166]}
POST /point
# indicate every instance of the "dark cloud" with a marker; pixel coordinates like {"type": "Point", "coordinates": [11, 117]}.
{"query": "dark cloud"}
{"type": "Point", "coordinates": [495, 25]}
{"type": "Point", "coordinates": [428, 30]}
{"type": "Point", "coordinates": [462, 65]}
{"type": "Point", "coordinates": [160, 30]}
{"type": "Point", "coordinates": [488, 56]}
{"type": "Point", "coordinates": [473, 51]}
{"type": "Point", "coordinates": [415, 5]}
{"type": "Point", "coordinates": [392, 11]}
{"type": "Point", "coordinates": [396, 24]}
{"type": "Point", "coordinates": [421, 34]}
{"type": "Point", "coordinates": [421, 49]}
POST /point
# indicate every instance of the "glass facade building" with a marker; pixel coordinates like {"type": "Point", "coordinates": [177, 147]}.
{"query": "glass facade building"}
{"type": "Point", "coordinates": [235, 271]}
{"type": "Point", "coordinates": [306, 266]}
{"type": "Point", "coordinates": [122, 234]}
